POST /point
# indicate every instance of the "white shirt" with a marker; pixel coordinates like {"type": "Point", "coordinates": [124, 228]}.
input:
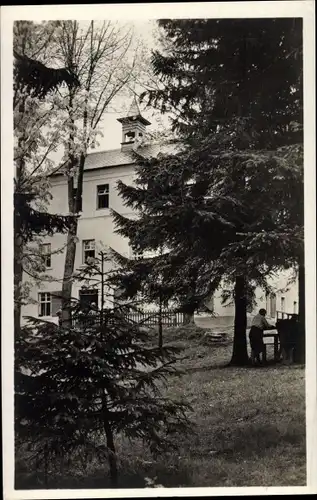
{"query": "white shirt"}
{"type": "Point", "coordinates": [260, 322]}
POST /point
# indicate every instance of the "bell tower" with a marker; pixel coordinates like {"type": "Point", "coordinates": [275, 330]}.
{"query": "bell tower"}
{"type": "Point", "coordinates": [133, 127]}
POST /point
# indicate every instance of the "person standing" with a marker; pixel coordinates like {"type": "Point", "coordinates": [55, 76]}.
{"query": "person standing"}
{"type": "Point", "coordinates": [258, 325]}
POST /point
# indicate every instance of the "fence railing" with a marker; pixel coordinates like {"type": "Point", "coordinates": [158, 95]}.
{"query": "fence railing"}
{"type": "Point", "coordinates": [151, 318]}
{"type": "Point", "coordinates": [283, 315]}
{"type": "Point", "coordinates": [147, 318]}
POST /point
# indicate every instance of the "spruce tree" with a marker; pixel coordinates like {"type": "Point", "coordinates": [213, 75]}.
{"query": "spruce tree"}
{"type": "Point", "coordinates": [236, 89]}
{"type": "Point", "coordinates": [78, 387]}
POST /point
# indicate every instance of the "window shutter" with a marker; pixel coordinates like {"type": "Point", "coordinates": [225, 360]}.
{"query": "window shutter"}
{"type": "Point", "coordinates": [56, 302]}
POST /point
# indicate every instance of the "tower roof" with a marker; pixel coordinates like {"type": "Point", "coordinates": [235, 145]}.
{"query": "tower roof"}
{"type": "Point", "coordinates": [134, 113]}
{"type": "Point", "coordinates": [134, 108]}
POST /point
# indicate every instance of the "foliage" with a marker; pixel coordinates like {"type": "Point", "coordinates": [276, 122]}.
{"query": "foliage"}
{"type": "Point", "coordinates": [37, 80]}
{"type": "Point", "coordinates": [242, 75]}
{"type": "Point", "coordinates": [230, 199]}
{"type": "Point", "coordinates": [33, 222]}
{"type": "Point", "coordinates": [81, 386]}
{"type": "Point", "coordinates": [241, 438]}
{"type": "Point", "coordinates": [34, 142]}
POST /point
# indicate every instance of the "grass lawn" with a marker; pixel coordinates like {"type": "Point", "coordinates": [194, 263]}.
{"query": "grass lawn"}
{"type": "Point", "coordinates": [249, 427]}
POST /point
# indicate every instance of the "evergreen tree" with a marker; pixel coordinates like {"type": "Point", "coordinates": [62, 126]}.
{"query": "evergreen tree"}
{"type": "Point", "coordinates": [168, 210]}
{"type": "Point", "coordinates": [37, 80]}
{"type": "Point", "coordinates": [77, 387]}
{"type": "Point", "coordinates": [143, 280]}
{"type": "Point", "coordinates": [236, 89]}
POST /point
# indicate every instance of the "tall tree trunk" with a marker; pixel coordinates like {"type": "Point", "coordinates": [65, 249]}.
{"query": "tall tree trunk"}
{"type": "Point", "coordinates": [73, 206]}
{"type": "Point", "coordinates": [299, 352]}
{"type": "Point", "coordinates": [18, 240]}
{"type": "Point", "coordinates": [240, 352]}
{"type": "Point", "coordinates": [68, 272]}
{"type": "Point", "coordinates": [74, 203]}
{"type": "Point", "coordinates": [188, 318]}
{"type": "Point", "coordinates": [191, 305]}
{"type": "Point", "coordinates": [18, 275]}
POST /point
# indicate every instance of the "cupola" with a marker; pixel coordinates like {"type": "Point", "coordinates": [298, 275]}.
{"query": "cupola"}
{"type": "Point", "coordinates": [133, 127]}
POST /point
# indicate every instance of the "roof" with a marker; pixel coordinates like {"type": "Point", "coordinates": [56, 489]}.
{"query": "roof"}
{"type": "Point", "coordinates": [134, 108]}
{"type": "Point", "coordinates": [133, 114]}
{"type": "Point", "coordinates": [117, 157]}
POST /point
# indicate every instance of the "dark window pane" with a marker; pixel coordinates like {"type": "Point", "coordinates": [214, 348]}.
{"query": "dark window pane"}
{"type": "Point", "coordinates": [103, 201]}
{"type": "Point", "coordinates": [45, 250]}
{"type": "Point", "coordinates": [42, 310]}
{"type": "Point", "coordinates": [87, 297]}
{"type": "Point", "coordinates": [103, 196]}
{"type": "Point", "coordinates": [89, 254]}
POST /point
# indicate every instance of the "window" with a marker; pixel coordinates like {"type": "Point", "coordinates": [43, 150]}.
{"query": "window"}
{"type": "Point", "coordinates": [88, 297]}
{"type": "Point", "coordinates": [80, 208]}
{"type": "Point", "coordinates": [103, 196]}
{"type": "Point", "coordinates": [88, 250]}
{"type": "Point", "coordinates": [45, 305]}
{"type": "Point", "coordinates": [282, 304]}
{"type": "Point", "coordinates": [295, 307]}
{"type": "Point", "coordinates": [45, 250]}
{"type": "Point", "coordinates": [272, 305]}
{"type": "Point", "coordinates": [129, 136]}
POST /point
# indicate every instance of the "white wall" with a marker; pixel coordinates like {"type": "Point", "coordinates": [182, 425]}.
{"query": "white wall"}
{"type": "Point", "coordinates": [98, 224]}
{"type": "Point", "coordinates": [282, 288]}
{"type": "Point", "coordinates": [94, 224]}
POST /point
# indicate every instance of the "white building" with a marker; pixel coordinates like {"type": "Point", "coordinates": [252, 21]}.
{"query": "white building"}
{"type": "Point", "coordinates": [96, 229]}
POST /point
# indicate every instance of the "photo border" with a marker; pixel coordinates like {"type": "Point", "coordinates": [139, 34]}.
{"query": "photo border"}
{"type": "Point", "coordinates": [143, 12]}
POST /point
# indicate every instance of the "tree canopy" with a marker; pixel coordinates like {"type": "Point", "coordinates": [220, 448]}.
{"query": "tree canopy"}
{"type": "Point", "coordinates": [229, 199]}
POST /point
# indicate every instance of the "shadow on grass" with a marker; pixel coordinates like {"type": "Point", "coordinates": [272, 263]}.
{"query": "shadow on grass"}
{"type": "Point", "coordinates": [168, 476]}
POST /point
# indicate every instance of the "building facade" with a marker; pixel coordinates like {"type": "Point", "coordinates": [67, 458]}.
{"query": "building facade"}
{"type": "Point", "coordinates": [96, 231]}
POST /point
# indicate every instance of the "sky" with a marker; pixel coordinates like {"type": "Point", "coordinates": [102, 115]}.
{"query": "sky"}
{"type": "Point", "coordinates": [112, 129]}
{"type": "Point", "coordinates": [145, 31]}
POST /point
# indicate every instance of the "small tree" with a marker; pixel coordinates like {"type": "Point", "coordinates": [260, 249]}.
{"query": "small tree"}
{"type": "Point", "coordinates": [77, 388]}
{"type": "Point", "coordinates": [141, 280]}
